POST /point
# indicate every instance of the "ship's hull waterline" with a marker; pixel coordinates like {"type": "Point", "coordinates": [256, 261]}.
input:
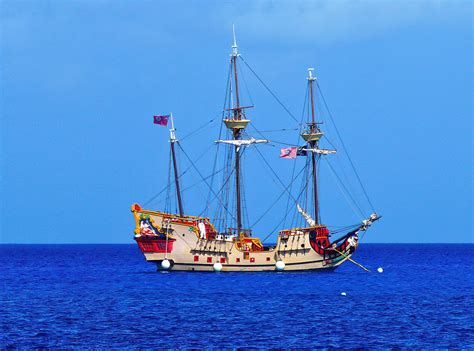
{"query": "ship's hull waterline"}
{"type": "Point", "coordinates": [177, 243]}
{"type": "Point", "coordinates": [296, 267]}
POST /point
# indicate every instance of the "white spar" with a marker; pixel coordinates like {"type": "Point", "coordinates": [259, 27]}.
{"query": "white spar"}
{"type": "Point", "coordinates": [311, 222]}
{"type": "Point", "coordinates": [321, 151]}
{"type": "Point", "coordinates": [366, 223]}
{"type": "Point", "coordinates": [245, 142]}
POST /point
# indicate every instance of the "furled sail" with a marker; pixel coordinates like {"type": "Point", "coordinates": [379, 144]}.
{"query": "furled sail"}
{"type": "Point", "coordinates": [311, 222]}
{"type": "Point", "coordinates": [245, 142]}
{"type": "Point", "coordinates": [320, 151]}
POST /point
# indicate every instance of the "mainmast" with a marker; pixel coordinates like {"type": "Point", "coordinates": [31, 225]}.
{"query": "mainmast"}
{"type": "Point", "coordinates": [236, 121]}
{"type": "Point", "coordinates": [237, 124]}
{"type": "Point", "coordinates": [312, 136]}
{"type": "Point", "coordinates": [236, 133]}
{"type": "Point", "coordinates": [175, 167]}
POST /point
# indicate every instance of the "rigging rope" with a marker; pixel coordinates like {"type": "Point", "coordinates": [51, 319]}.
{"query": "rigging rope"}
{"type": "Point", "coordinates": [245, 84]}
{"type": "Point", "coordinates": [268, 89]}
{"type": "Point", "coordinates": [273, 230]}
{"type": "Point", "coordinates": [344, 229]}
{"type": "Point", "coordinates": [298, 138]}
{"type": "Point", "coordinates": [341, 184]}
{"type": "Point", "coordinates": [276, 201]}
{"type": "Point", "coordinates": [197, 130]}
{"type": "Point", "coordinates": [204, 180]}
{"type": "Point", "coordinates": [350, 259]}
{"type": "Point", "coordinates": [279, 130]}
{"type": "Point", "coordinates": [200, 181]}
{"type": "Point", "coordinates": [207, 204]}
{"type": "Point", "coordinates": [344, 147]}
{"type": "Point", "coordinates": [276, 175]}
{"type": "Point", "coordinates": [245, 213]}
{"type": "Point", "coordinates": [348, 183]}
{"type": "Point", "coordinates": [179, 177]}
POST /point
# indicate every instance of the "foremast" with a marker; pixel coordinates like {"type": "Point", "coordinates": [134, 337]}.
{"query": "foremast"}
{"type": "Point", "coordinates": [312, 136]}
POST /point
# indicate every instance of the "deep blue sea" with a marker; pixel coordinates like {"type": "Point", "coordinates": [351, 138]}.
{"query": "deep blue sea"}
{"type": "Point", "coordinates": [107, 296]}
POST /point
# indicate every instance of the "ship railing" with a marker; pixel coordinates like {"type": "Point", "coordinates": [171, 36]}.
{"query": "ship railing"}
{"type": "Point", "coordinates": [235, 232]}
{"type": "Point", "coordinates": [296, 231]}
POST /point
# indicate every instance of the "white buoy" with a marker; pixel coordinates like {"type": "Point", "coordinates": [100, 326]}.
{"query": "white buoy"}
{"type": "Point", "coordinates": [217, 267]}
{"type": "Point", "coordinates": [343, 294]}
{"type": "Point", "coordinates": [380, 270]}
{"type": "Point", "coordinates": [165, 264]}
{"type": "Point", "coordinates": [280, 265]}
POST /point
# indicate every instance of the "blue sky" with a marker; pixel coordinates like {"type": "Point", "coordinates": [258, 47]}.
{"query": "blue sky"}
{"type": "Point", "coordinates": [80, 81]}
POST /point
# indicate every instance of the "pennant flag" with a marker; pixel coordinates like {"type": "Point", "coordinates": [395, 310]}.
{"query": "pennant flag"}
{"type": "Point", "coordinates": [161, 120]}
{"type": "Point", "coordinates": [289, 152]}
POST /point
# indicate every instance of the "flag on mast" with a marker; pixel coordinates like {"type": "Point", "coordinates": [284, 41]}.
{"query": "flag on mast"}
{"type": "Point", "coordinates": [289, 152]}
{"type": "Point", "coordinates": [161, 120]}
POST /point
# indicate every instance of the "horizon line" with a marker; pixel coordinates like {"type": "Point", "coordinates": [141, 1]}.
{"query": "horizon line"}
{"type": "Point", "coordinates": [369, 243]}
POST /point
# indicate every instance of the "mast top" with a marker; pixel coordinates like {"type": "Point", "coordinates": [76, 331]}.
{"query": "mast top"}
{"type": "Point", "coordinates": [310, 74]}
{"type": "Point", "coordinates": [236, 121]}
{"type": "Point", "coordinates": [172, 129]}
{"type": "Point", "coordinates": [313, 134]}
{"type": "Point", "coordinates": [235, 53]}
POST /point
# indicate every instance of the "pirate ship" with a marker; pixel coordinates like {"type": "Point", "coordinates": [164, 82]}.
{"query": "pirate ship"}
{"type": "Point", "coordinates": [181, 242]}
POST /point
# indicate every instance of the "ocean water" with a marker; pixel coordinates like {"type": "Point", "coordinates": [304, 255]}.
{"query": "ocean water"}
{"type": "Point", "coordinates": [107, 296]}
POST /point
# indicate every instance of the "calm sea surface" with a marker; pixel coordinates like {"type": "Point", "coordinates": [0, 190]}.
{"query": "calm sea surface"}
{"type": "Point", "coordinates": [107, 296]}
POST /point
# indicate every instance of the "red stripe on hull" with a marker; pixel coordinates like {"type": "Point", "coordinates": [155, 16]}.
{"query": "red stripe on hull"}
{"type": "Point", "coordinates": [151, 245]}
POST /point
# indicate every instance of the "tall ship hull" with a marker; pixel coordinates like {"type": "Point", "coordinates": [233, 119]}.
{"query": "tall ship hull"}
{"type": "Point", "coordinates": [192, 244]}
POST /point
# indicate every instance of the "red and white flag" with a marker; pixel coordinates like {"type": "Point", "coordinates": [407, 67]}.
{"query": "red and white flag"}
{"type": "Point", "coordinates": [161, 120]}
{"type": "Point", "coordinates": [289, 152]}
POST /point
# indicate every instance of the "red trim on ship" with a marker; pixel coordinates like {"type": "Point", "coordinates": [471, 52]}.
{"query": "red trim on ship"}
{"type": "Point", "coordinates": [319, 239]}
{"type": "Point", "coordinates": [153, 245]}
{"type": "Point", "coordinates": [320, 242]}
